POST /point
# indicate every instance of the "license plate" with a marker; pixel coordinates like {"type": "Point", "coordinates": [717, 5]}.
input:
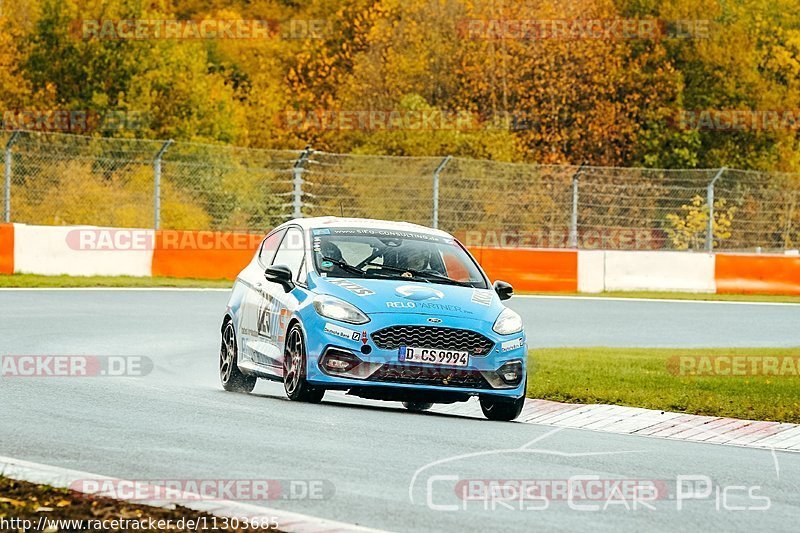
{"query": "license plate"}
{"type": "Point", "coordinates": [432, 356]}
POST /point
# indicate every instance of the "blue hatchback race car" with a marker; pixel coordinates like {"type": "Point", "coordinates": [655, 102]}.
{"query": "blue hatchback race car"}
{"type": "Point", "coordinates": [384, 310]}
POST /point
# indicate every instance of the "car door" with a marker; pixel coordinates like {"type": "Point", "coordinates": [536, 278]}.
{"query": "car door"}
{"type": "Point", "coordinates": [280, 304]}
{"type": "Point", "coordinates": [255, 342]}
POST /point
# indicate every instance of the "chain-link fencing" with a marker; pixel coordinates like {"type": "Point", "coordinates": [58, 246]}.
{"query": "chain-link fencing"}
{"type": "Point", "coordinates": [67, 179]}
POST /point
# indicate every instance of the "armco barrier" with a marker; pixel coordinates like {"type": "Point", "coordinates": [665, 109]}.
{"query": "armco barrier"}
{"type": "Point", "coordinates": [6, 248]}
{"type": "Point", "coordinates": [202, 254]}
{"type": "Point", "coordinates": [86, 250]}
{"type": "Point", "coordinates": [82, 251]}
{"type": "Point", "coordinates": [659, 271]}
{"type": "Point", "coordinates": [766, 274]}
{"type": "Point", "coordinates": [531, 269]}
{"type": "Point", "coordinates": [591, 271]}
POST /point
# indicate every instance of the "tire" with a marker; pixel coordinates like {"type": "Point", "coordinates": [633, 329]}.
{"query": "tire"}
{"type": "Point", "coordinates": [500, 409]}
{"type": "Point", "coordinates": [233, 380]}
{"type": "Point", "coordinates": [417, 407]}
{"type": "Point", "coordinates": [294, 369]}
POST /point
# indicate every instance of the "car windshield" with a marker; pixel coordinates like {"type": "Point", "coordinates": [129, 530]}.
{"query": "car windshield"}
{"type": "Point", "coordinates": [394, 254]}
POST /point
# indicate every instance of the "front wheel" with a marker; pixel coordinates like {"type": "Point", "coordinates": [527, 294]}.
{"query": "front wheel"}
{"type": "Point", "coordinates": [294, 369]}
{"type": "Point", "coordinates": [500, 409]}
{"type": "Point", "coordinates": [233, 379]}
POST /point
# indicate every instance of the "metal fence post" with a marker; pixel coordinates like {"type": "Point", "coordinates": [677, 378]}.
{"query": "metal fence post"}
{"type": "Point", "coordinates": [573, 222]}
{"type": "Point", "coordinates": [436, 173]}
{"type": "Point", "coordinates": [710, 202]}
{"type": "Point", "coordinates": [157, 184]}
{"type": "Point", "coordinates": [787, 239]}
{"type": "Point", "coordinates": [7, 174]}
{"type": "Point", "coordinates": [297, 182]}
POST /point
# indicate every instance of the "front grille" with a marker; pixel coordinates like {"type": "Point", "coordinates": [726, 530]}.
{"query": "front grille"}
{"type": "Point", "coordinates": [422, 375]}
{"type": "Point", "coordinates": [462, 340]}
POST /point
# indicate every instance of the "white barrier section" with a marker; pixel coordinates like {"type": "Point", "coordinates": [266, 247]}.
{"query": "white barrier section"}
{"type": "Point", "coordinates": [659, 271]}
{"type": "Point", "coordinates": [82, 250]}
{"type": "Point", "coordinates": [591, 271]}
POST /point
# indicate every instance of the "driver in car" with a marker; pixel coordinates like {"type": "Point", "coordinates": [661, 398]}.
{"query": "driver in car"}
{"type": "Point", "coordinates": [330, 250]}
{"type": "Point", "coordinates": [414, 256]}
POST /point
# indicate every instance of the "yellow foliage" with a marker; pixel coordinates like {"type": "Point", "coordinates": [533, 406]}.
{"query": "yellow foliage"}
{"type": "Point", "coordinates": [73, 193]}
{"type": "Point", "coordinates": [689, 229]}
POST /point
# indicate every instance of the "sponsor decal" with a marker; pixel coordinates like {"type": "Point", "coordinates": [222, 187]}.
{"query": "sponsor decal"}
{"type": "Point", "coordinates": [443, 307]}
{"type": "Point", "coordinates": [266, 310]}
{"type": "Point", "coordinates": [396, 234]}
{"type": "Point", "coordinates": [323, 231]}
{"type": "Point", "coordinates": [419, 293]}
{"type": "Point", "coordinates": [512, 345]}
{"type": "Point", "coordinates": [428, 305]}
{"type": "Point", "coordinates": [401, 305]}
{"type": "Point", "coordinates": [344, 333]}
{"type": "Point", "coordinates": [272, 317]}
{"type": "Point", "coordinates": [355, 288]}
{"type": "Point", "coordinates": [482, 297]}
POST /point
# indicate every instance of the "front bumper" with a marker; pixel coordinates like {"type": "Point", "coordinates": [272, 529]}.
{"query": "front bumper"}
{"type": "Point", "coordinates": [363, 364]}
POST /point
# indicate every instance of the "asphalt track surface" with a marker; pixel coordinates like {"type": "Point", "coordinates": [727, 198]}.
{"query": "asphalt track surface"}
{"type": "Point", "coordinates": [177, 423]}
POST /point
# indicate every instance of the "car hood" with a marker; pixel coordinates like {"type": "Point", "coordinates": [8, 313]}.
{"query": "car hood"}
{"type": "Point", "coordinates": [411, 297]}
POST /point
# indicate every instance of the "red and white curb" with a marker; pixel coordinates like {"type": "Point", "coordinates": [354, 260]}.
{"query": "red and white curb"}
{"type": "Point", "coordinates": [288, 522]}
{"type": "Point", "coordinates": [649, 423]}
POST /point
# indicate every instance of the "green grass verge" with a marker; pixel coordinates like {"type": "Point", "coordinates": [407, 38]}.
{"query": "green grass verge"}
{"type": "Point", "coordinates": [36, 281]}
{"type": "Point", "coordinates": [679, 296]}
{"type": "Point", "coordinates": [643, 377]}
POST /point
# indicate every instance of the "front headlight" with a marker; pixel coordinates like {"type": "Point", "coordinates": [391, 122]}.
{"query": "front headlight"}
{"type": "Point", "coordinates": [507, 323]}
{"type": "Point", "coordinates": [337, 309]}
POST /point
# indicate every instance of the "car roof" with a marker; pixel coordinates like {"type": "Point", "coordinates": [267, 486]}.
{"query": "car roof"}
{"type": "Point", "coordinates": [342, 222]}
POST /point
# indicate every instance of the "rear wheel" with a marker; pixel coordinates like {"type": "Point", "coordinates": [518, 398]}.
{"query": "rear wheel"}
{"type": "Point", "coordinates": [233, 379]}
{"type": "Point", "coordinates": [294, 369]}
{"type": "Point", "coordinates": [417, 407]}
{"type": "Point", "coordinates": [501, 409]}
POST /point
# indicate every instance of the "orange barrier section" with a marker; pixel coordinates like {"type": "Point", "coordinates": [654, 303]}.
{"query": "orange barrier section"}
{"type": "Point", "coordinates": [222, 255]}
{"type": "Point", "coordinates": [6, 248]}
{"type": "Point", "coordinates": [531, 270]}
{"type": "Point", "coordinates": [202, 254]}
{"type": "Point", "coordinates": [747, 274]}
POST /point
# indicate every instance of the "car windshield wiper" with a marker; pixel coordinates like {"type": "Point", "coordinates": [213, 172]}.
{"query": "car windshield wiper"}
{"type": "Point", "coordinates": [426, 276]}
{"type": "Point", "coordinates": [344, 265]}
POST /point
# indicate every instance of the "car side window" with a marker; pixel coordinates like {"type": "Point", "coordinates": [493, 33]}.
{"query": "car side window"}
{"type": "Point", "coordinates": [269, 247]}
{"type": "Point", "coordinates": [291, 251]}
